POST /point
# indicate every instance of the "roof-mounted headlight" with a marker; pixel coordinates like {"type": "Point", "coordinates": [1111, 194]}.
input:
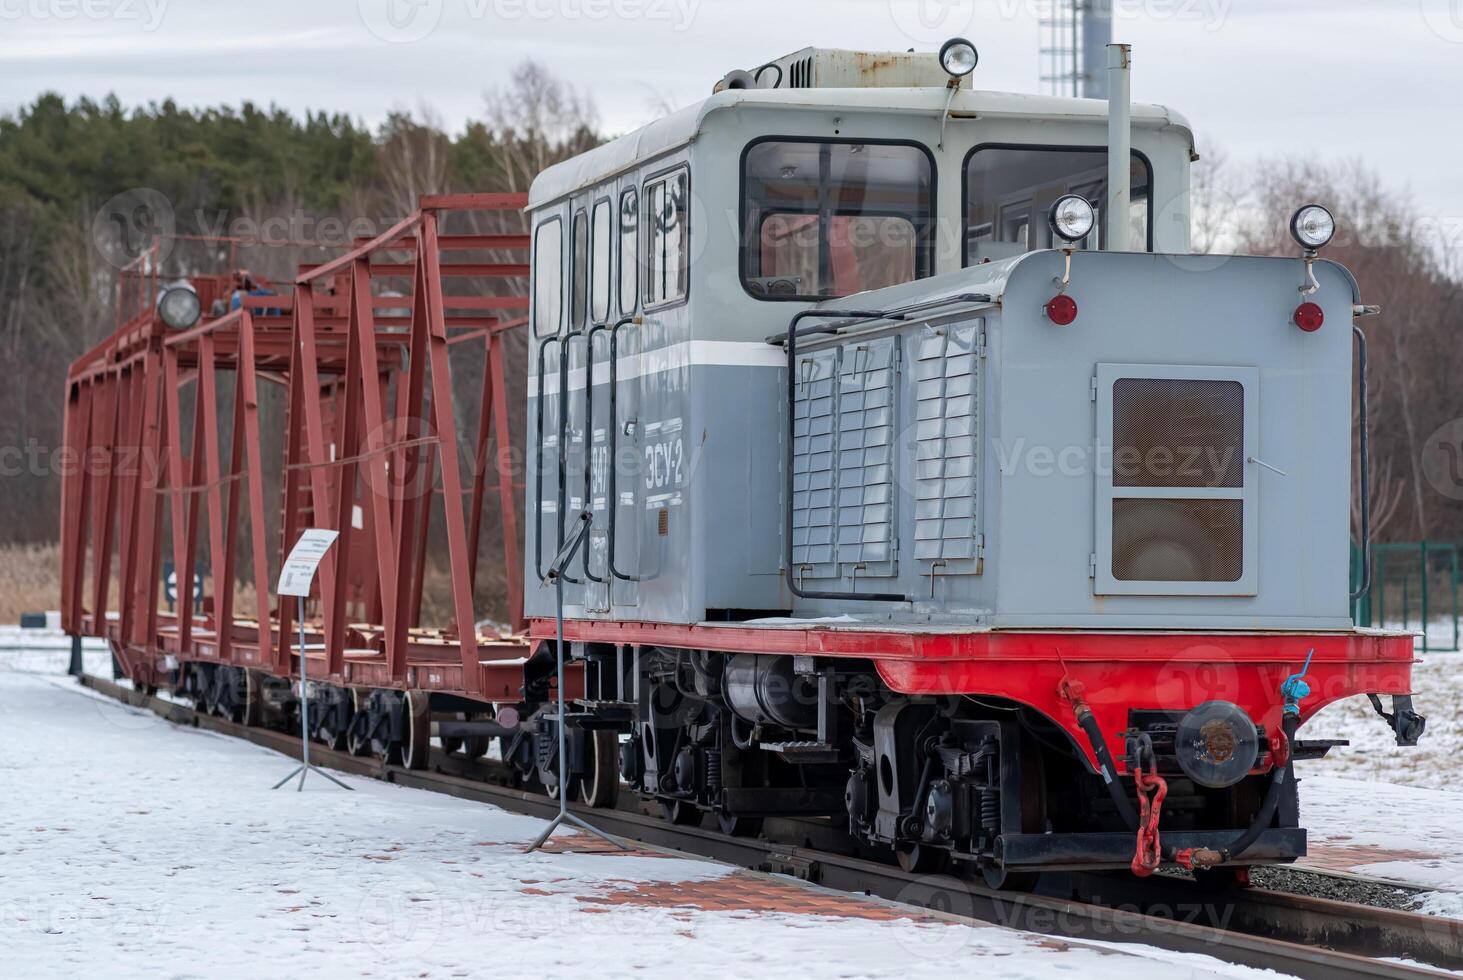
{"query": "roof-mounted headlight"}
{"type": "Point", "coordinates": [1072, 218]}
{"type": "Point", "coordinates": [959, 57]}
{"type": "Point", "coordinates": [1312, 227]}
{"type": "Point", "coordinates": [179, 306]}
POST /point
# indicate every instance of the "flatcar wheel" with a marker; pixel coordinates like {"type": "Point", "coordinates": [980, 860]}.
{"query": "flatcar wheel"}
{"type": "Point", "coordinates": [683, 813]}
{"type": "Point", "coordinates": [917, 858]}
{"type": "Point", "coordinates": [416, 745]}
{"type": "Point", "coordinates": [476, 746]}
{"type": "Point", "coordinates": [601, 788]}
{"type": "Point", "coordinates": [734, 825]}
{"type": "Point", "coordinates": [253, 711]}
{"type": "Point", "coordinates": [356, 742]}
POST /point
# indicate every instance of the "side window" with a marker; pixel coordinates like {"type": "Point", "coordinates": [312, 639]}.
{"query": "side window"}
{"type": "Point", "coordinates": [548, 277]}
{"type": "Point", "coordinates": [1008, 190]}
{"type": "Point", "coordinates": [1176, 514]}
{"type": "Point", "coordinates": [668, 255]}
{"type": "Point", "coordinates": [599, 262]}
{"type": "Point", "coordinates": [580, 269]}
{"type": "Point", "coordinates": [629, 251]}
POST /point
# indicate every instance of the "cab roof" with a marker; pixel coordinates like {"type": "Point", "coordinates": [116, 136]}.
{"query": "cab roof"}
{"type": "Point", "coordinates": [681, 127]}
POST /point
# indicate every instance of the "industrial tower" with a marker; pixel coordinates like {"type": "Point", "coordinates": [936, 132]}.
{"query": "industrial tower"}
{"type": "Point", "coordinates": [1074, 39]}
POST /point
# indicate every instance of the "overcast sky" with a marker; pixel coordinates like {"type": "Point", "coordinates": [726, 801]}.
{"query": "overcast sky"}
{"type": "Point", "coordinates": [1375, 79]}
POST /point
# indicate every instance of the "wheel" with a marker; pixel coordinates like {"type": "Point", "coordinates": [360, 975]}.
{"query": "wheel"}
{"type": "Point", "coordinates": [601, 788]}
{"type": "Point", "coordinates": [331, 718]}
{"type": "Point", "coordinates": [739, 826]}
{"type": "Point", "coordinates": [356, 742]}
{"type": "Point", "coordinates": [253, 710]}
{"type": "Point", "coordinates": [918, 858]}
{"type": "Point", "coordinates": [680, 812]}
{"type": "Point", "coordinates": [476, 746]}
{"type": "Point", "coordinates": [416, 745]}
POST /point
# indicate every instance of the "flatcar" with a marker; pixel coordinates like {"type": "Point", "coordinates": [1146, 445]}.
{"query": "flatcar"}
{"type": "Point", "coordinates": [913, 475]}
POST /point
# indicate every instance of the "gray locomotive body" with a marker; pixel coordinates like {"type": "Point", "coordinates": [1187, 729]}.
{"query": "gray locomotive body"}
{"type": "Point", "coordinates": [902, 504]}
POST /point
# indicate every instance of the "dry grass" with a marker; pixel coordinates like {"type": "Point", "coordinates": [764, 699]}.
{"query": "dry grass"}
{"type": "Point", "coordinates": [30, 580]}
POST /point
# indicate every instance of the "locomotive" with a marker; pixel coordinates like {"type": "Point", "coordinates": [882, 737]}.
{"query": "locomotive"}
{"type": "Point", "coordinates": [893, 463]}
{"type": "Point", "coordinates": [931, 483]}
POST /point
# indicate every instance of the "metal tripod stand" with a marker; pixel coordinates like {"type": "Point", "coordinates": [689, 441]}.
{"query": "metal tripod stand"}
{"type": "Point", "coordinates": [305, 768]}
{"type": "Point", "coordinates": [556, 577]}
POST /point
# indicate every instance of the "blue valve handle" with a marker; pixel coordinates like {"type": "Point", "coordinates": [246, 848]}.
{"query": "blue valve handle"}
{"type": "Point", "coordinates": [1295, 689]}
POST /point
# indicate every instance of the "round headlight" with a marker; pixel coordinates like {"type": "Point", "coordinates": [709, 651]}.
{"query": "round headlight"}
{"type": "Point", "coordinates": [1312, 227]}
{"type": "Point", "coordinates": [959, 57]}
{"type": "Point", "coordinates": [179, 307]}
{"type": "Point", "coordinates": [1072, 218]}
{"type": "Point", "coordinates": [1217, 744]}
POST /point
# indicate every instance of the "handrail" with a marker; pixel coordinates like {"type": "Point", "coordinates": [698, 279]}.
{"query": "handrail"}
{"type": "Point", "coordinates": [613, 490]}
{"type": "Point", "coordinates": [563, 495]}
{"type": "Point", "coordinates": [1366, 476]}
{"type": "Point", "coordinates": [897, 312]}
{"type": "Point", "coordinates": [538, 464]}
{"type": "Point", "coordinates": [589, 438]}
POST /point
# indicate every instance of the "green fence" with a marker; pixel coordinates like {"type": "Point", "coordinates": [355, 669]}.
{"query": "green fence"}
{"type": "Point", "coordinates": [1413, 584]}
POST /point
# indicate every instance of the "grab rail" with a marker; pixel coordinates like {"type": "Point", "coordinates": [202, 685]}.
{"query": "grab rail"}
{"type": "Point", "coordinates": [613, 490]}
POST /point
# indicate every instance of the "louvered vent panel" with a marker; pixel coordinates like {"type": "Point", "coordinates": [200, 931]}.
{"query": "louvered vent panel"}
{"type": "Point", "coordinates": [947, 471]}
{"type": "Point", "coordinates": [865, 482]}
{"type": "Point", "coordinates": [813, 464]}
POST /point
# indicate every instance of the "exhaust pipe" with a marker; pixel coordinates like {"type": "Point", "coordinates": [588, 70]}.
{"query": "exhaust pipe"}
{"type": "Point", "coordinates": [1119, 144]}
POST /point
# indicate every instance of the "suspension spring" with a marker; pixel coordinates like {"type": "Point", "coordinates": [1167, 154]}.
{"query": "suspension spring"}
{"type": "Point", "coordinates": [713, 770]}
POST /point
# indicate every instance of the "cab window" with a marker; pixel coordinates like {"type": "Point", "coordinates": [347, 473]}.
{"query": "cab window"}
{"type": "Point", "coordinates": [580, 270]}
{"type": "Point", "coordinates": [1008, 190]}
{"type": "Point", "coordinates": [599, 263]}
{"type": "Point", "coordinates": [824, 219]}
{"type": "Point", "coordinates": [629, 251]}
{"type": "Point", "coordinates": [667, 260]}
{"type": "Point", "coordinates": [548, 282]}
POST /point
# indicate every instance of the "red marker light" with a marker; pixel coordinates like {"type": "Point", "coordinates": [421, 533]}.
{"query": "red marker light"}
{"type": "Point", "coordinates": [1309, 317]}
{"type": "Point", "coordinates": [1061, 310]}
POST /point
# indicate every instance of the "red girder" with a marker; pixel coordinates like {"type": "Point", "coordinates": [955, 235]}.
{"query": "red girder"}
{"type": "Point", "coordinates": [368, 385]}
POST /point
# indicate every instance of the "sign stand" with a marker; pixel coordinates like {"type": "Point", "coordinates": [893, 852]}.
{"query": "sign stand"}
{"type": "Point", "coordinates": [294, 580]}
{"type": "Point", "coordinates": [556, 577]}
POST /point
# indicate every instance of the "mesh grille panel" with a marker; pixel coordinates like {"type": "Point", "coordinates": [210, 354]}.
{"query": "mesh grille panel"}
{"type": "Point", "coordinates": [1178, 433]}
{"type": "Point", "coordinates": [1155, 540]}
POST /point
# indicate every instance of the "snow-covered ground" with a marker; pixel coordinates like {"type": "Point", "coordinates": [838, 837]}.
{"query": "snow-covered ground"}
{"type": "Point", "coordinates": [132, 847]}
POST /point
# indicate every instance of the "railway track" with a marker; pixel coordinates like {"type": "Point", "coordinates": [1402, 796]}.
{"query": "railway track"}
{"type": "Point", "coordinates": [1299, 935]}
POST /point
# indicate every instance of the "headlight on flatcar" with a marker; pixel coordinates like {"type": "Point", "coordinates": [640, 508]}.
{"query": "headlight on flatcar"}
{"type": "Point", "coordinates": [179, 306]}
{"type": "Point", "coordinates": [959, 57]}
{"type": "Point", "coordinates": [1217, 744]}
{"type": "Point", "coordinates": [1312, 227]}
{"type": "Point", "coordinates": [1072, 218]}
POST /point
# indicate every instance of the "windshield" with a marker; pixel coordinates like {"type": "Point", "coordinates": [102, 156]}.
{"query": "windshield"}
{"type": "Point", "coordinates": [827, 219]}
{"type": "Point", "coordinates": [1008, 190]}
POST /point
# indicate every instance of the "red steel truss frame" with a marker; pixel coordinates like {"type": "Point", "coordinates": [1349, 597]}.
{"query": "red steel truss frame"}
{"type": "Point", "coordinates": [369, 391]}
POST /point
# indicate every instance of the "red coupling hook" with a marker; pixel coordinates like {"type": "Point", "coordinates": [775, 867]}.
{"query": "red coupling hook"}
{"type": "Point", "coordinates": [1152, 788]}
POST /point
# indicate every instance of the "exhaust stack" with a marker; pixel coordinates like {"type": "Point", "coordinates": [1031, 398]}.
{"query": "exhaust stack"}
{"type": "Point", "coordinates": [1119, 144]}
